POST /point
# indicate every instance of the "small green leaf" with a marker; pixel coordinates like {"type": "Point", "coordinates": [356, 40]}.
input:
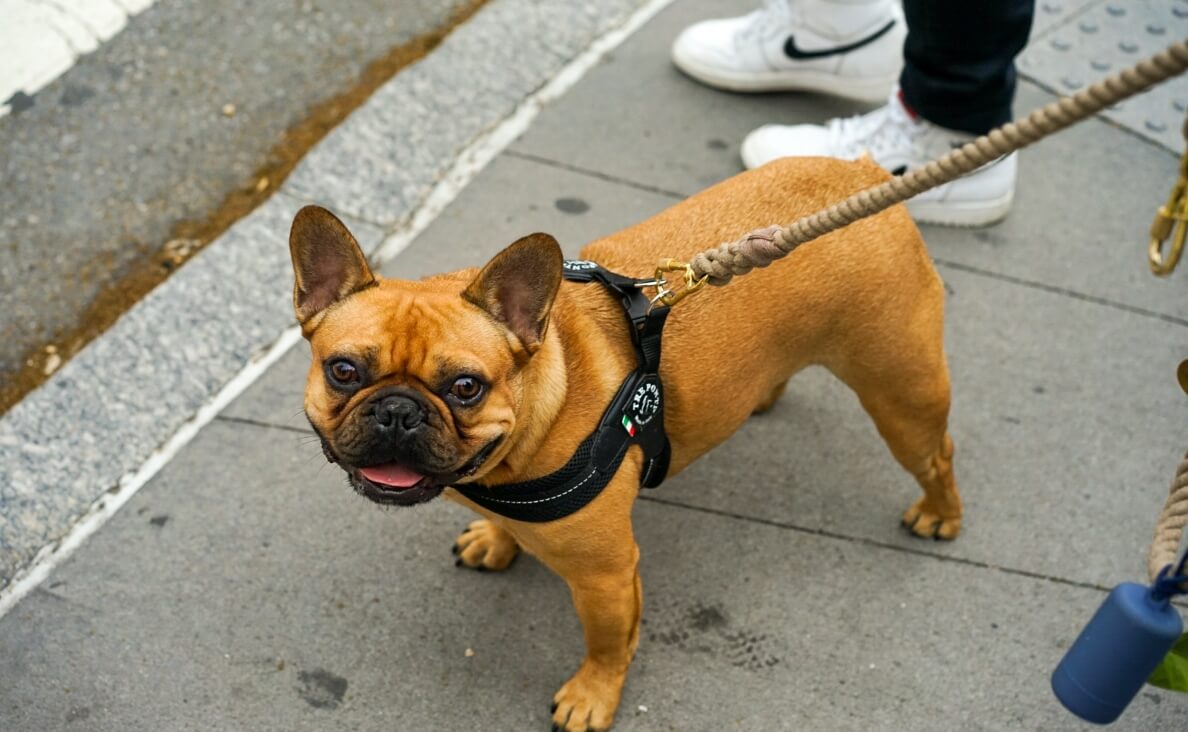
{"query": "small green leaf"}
{"type": "Point", "coordinates": [1172, 672]}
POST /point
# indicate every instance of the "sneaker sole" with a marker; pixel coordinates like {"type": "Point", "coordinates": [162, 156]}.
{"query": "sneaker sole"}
{"type": "Point", "coordinates": [965, 214]}
{"type": "Point", "coordinates": [867, 89]}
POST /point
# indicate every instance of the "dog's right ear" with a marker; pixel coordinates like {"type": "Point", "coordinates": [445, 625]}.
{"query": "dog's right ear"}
{"type": "Point", "coordinates": [328, 264]}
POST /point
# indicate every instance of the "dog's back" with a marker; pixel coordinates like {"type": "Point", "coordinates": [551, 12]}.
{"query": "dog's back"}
{"type": "Point", "coordinates": [864, 295]}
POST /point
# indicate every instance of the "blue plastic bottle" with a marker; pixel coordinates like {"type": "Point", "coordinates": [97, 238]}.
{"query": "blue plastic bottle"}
{"type": "Point", "coordinates": [1132, 631]}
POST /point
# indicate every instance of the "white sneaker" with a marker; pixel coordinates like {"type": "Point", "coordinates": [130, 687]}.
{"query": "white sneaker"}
{"type": "Point", "coordinates": [844, 49]}
{"type": "Point", "coordinates": [899, 141]}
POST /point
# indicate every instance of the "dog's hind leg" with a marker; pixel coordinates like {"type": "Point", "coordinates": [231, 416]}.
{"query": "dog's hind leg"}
{"type": "Point", "coordinates": [485, 546]}
{"type": "Point", "coordinates": [937, 514]}
{"type": "Point", "coordinates": [903, 383]}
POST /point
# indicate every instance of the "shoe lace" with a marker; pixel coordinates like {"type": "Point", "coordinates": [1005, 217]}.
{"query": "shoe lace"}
{"type": "Point", "coordinates": [888, 129]}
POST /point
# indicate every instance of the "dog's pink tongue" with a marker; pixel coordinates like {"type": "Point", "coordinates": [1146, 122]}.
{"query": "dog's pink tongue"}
{"type": "Point", "coordinates": [392, 475]}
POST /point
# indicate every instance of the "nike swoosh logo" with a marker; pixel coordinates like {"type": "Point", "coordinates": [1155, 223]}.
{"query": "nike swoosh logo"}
{"type": "Point", "coordinates": [794, 52]}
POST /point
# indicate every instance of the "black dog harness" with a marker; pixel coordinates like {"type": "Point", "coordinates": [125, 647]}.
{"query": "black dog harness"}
{"type": "Point", "coordinates": [635, 417]}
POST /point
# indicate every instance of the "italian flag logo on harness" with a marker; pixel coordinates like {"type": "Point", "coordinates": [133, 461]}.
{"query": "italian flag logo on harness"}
{"type": "Point", "coordinates": [645, 404]}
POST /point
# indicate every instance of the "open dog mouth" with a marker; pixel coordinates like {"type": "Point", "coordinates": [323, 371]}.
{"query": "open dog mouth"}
{"type": "Point", "coordinates": [395, 484]}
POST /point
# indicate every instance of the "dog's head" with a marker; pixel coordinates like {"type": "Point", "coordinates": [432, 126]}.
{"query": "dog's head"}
{"type": "Point", "coordinates": [415, 386]}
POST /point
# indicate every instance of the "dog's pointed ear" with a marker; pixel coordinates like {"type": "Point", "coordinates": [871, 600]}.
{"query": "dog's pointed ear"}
{"type": "Point", "coordinates": [518, 286]}
{"type": "Point", "coordinates": [328, 264]}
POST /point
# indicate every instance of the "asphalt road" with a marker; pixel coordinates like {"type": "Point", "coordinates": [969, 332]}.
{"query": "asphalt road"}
{"type": "Point", "coordinates": [141, 142]}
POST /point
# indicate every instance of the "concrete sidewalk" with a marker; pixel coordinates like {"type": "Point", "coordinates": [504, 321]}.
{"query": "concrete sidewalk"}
{"type": "Point", "coordinates": [247, 588]}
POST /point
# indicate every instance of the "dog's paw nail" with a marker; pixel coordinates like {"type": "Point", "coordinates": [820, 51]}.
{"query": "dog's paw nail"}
{"type": "Point", "coordinates": [555, 728]}
{"type": "Point", "coordinates": [454, 550]}
{"type": "Point", "coordinates": [458, 562]}
{"type": "Point", "coordinates": [481, 568]}
{"type": "Point", "coordinates": [553, 708]}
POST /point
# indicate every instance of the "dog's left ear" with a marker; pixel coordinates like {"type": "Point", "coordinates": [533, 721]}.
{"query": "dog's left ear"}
{"type": "Point", "coordinates": [328, 264]}
{"type": "Point", "coordinates": [518, 286]}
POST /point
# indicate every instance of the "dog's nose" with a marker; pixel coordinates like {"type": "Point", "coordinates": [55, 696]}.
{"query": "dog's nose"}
{"type": "Point", "coordinates": [398, 413]}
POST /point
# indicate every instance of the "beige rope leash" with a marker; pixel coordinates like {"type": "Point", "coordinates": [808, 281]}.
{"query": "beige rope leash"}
{"type": "Point", "coordinates": [1169, 529]}
{"type": "Point", "coordinates": [764, 246]}
{"type": "Point", "coordinates": [1165, 547]}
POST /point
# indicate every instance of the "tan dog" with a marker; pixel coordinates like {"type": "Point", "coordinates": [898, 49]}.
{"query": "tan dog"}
{"type": "Point", "coordinates": [498, 375]}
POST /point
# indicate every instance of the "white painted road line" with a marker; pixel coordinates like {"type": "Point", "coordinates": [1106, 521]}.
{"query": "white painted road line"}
{"type": "Point", "coordinates": [41, 39]}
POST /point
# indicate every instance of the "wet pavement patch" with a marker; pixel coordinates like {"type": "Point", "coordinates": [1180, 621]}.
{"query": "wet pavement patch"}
{"type": "Point", "coordinates": [321, 689]}
{"type": "Point", "coordinates": [571, 205]}
{"type": "Point", "coordinates": [706, 628]}
{"type": "Point", "coordinates": [75, 94]}
{"type": "Point", "coordinates": [19, 102]}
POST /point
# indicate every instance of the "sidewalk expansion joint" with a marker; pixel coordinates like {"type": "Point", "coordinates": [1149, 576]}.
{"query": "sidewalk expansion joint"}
{"type": "Point", "coordinates": [596, 174]}
{"type": "Point", "coordinates": [1064, 291]}
{"type": "Point", "coordinates": [70, 602]}
{"type": "Point", "coordinates": [825, 533]}
{"type": "Point", "coordinates": [264, 425]}
{"type": "Point", "coordinates": [386, 228]}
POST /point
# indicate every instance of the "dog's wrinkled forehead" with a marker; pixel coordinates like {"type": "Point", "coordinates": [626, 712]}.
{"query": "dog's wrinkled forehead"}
{"type": "Point", "coordinates": [407, 329]}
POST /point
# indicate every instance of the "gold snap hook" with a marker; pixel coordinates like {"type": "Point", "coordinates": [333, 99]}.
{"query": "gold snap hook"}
{"type": "Point", "coordinates": [1171, 222]}
{"type": "Point", "coordinates": [670, 297]}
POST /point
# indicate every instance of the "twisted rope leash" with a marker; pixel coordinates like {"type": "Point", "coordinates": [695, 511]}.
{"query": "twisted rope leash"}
{"type": "Point", "coordinates": [1170, 527]}
{"type": "Point", "coordinates": [762, 247]}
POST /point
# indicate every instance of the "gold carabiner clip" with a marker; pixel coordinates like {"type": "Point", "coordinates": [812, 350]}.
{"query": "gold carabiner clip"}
{"type": "Point", "coordinates": [1171, 220]}
{"type": "Point", "coordinates": [669, 297]}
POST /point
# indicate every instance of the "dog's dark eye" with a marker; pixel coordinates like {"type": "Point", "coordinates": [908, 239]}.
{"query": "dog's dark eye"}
{"type": "Point", "coordinates": [467, 389]}
{"type": "Point", "coordinates": [342, 373]}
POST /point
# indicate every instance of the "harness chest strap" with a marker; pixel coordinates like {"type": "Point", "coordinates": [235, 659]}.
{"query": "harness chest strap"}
{"type": "Point", "coordinates": [635, 416]}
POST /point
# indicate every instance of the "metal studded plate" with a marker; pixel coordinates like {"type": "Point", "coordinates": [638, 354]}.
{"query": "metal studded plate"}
{"type": "Point", "coordinates": [1052, 13]}
{"type": "Point", "coordinates": [1072, 46]}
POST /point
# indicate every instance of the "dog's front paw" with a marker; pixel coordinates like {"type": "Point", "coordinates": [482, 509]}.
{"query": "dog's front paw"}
{"type": "Point", "coordinates": [588, 701]}
{"type": "Point", "coordinates": [485, 546]}
{"type": "Point", "coordinates": [926, 522]}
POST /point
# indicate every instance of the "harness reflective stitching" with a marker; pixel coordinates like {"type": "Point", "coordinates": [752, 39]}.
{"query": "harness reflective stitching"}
{"type": "Point", "coordinates": [545, 500]}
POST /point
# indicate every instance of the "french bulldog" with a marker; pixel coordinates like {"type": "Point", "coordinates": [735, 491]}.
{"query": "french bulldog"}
{"type": "Point", "coordinates": [495, 375]}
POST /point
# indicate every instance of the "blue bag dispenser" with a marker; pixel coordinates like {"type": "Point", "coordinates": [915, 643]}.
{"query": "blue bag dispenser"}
{"type": "Point", "coordinates": [1133, 630]}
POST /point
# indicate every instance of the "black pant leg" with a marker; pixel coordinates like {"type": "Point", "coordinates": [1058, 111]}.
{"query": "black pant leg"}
{"type": "Point", "coordinates": [959, 60]}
